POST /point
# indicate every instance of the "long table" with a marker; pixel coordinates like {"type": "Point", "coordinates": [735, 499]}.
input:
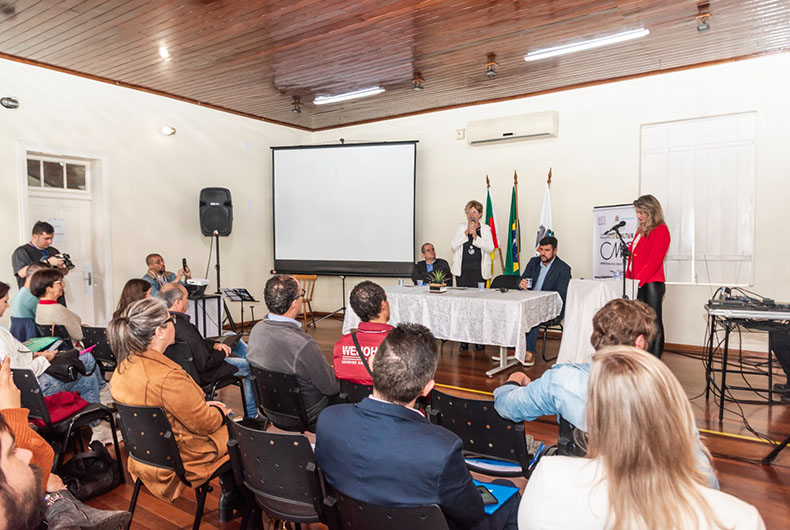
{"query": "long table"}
{"type": "Point", "coordinates": [479, 316]}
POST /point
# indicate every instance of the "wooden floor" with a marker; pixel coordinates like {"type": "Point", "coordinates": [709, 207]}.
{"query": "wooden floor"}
{"type": "Point", "coordinates": [735, 449]}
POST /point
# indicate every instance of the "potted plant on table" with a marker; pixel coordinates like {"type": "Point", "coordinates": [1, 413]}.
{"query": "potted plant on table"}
{"type": "Point", "coordinates": [436, 281]}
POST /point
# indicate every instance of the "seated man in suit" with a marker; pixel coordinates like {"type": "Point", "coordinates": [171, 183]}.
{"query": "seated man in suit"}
{"type": "Point", "coordinates": [562, 390]}
{"type": "Point", "coordinates": [545, 272]}
{"type": "Point", "coordinates": [383, 451]}
{"type": "Point", "coordinates": [212, 359]}
{"type": "Point", "coordinates": [424, 270]}
{"type": "Point", "coordinates": [369, 302]}
{"type": "Point", "coordinates": [278, 344]}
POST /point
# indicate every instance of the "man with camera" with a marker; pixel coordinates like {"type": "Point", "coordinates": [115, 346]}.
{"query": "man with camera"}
{"type": "Point", "coordinates": [39, 249]}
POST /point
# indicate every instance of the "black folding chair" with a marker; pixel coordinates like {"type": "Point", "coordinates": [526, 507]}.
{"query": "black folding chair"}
{"type": "Point", "coordinates": [554, 325]}
{"type": "Point", "coordinates": [508, 281]}
{"type": "Point", "coordinates": [346, 513]}
{"type": "Point", "coordinates": [280, 473]}
{"type": "Point", "coordinates": [484, 433]}
{"type": "Point", "coordinates": [353, 392]}
{"type": "Point", "coordinates": [149, 439]}
{"type": "Point", "coordinates": [59, 331]}
{"type": "Point", "coordinates": [180, 353]}
{"type": "Point", "coordinates": [97, 337]}
{"type": "Point", "coordinates": [60, 432]}
{"type": "Point", "coordinates": [278, 396]}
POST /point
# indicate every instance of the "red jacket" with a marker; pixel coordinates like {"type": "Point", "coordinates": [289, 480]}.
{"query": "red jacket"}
{"type": "Point", "coordinates": [647, 260]}
{"type": "Point", "coordinates": [347, 363]}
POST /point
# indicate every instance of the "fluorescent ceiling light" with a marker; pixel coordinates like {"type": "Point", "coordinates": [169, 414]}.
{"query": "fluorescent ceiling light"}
{"type": "Point", "coordinates": [586, 45]}
{"type": "Point", "coordinates": [372, 91]}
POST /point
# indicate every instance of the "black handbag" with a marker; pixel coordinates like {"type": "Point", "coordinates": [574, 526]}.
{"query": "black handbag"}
{"type": "Point", "coordinates": [92, 473]}
{"type": "Point", "coordinates": [66, 366]}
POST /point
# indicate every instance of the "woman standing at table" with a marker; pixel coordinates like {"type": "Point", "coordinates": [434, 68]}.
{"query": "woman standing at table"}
{"type": "Point", "coordinates": [472, 247]}
{"type": "Point", "coordinates": [646, 264]}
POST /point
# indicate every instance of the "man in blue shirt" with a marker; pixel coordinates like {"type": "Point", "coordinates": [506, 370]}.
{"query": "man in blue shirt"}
{"type": "Point", "coordinates": [562, 390]}
{"type": "Point", "coordinates": [544, 272]}
{"type": "Point", "coordinates": [158, 276]}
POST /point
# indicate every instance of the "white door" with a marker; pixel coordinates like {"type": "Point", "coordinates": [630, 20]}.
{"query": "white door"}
{"type": "Point", "coordinates": [71, 218]}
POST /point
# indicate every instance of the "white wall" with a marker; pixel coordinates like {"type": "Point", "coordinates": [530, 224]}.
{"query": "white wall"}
{"type": "Point", "coordinates": [154, 180]}
{"type": "Point", "coordinates": [595, 161]}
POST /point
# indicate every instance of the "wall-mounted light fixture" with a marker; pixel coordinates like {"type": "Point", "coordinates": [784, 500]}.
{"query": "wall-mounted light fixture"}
{"type": "Point", "coordinates": [168, 130]}
{"type": "Point", "coordinates": [9, 102]}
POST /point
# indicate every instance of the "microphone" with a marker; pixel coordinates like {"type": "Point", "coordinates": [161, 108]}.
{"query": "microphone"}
{"type": "Point", "coordinates": [614, 228]}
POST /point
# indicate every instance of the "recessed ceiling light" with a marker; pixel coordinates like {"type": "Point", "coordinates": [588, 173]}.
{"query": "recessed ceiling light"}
{"type": "Point", "coordinates": [586, 44]}
{"type": "Point", "coordinates": [372, 91]}
{"type": "Point", "coordinates": [163, 53]}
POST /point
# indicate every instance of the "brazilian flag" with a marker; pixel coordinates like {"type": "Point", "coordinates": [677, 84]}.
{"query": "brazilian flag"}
{"type": "Point", "coordinates": [512, 266]}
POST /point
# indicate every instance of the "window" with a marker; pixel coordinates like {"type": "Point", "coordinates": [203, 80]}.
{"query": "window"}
{"type": "Point", "coordinates": [60, 174]}
{"type": "Point", "coordinates": [703, 172]}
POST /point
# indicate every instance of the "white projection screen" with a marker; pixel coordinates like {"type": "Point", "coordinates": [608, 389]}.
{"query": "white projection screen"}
{"type": "Point", "coordinates": [344, 209]}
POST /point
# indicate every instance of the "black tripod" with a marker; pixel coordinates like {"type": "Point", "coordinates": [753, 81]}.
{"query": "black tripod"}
{"type": "Point", "coordinates": [224, 304]}
{"type": "Point", "coordinates": [773, 454]}
{"type": "Point", "coordinates": [625, 254]}
{"type": "Point", "coordinates": [342, 302]}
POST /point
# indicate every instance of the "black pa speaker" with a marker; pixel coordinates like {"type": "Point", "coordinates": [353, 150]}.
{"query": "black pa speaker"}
{"type": "Point", "coordinates": [216, 211]}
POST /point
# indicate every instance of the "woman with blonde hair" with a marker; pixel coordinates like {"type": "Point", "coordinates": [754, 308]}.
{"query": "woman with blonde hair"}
{"type": "Point", "coordinates": [646, 263]}
{"type": "Point", "coordinates": [146, 377]}
{"type": "Point", "coordinates": [641, 468]}
{"type": "Point", "coordinates": [472, 247]}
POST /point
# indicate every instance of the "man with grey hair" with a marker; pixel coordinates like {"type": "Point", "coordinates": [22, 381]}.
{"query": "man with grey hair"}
{"type": "Point", "coordinates": [212, 359]}
{"type": "Point", "coordinates": [383, 451]}
{"type": "Point", "coordinates": [278, 344]}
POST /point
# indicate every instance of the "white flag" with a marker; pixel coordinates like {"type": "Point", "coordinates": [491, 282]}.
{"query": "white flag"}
{"type": "Point", "coordinates": [545, 226]}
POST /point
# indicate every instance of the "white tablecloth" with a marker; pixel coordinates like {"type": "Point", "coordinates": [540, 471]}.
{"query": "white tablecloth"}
{"type": "Point", "coordinates": [479, 316]}
{"type": "Point", "coordinates": [585, 297]}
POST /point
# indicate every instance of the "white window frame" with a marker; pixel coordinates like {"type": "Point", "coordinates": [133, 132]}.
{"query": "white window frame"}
{"type": "Point", "coordinates": [38, 190]}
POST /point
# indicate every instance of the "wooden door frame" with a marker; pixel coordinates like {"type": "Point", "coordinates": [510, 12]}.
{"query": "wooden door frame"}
{"type": "Point", "coordinates": [101, 203]}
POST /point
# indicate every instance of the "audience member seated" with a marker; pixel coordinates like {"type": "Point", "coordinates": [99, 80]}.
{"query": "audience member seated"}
{"type": "Point", "coordinates": [25, 461]}
{"type": "Point", "coordinates": [211, 359]}
{"type": "Point", "coordinates": [424, 270]}
{"type": "Point", "coordinates": [278, 344]}
{"type": "Point", "coordinates": [91, 387]}
{"type": "Point", "coordinates": [145, 377]}
{"type": "Point", "coordinates": [157, 275]}
{"type": "Point", "coordinates": [641, 468]}
{"type": "Point", "coordinates": [562, 390]}
{"type": "Point", "coordinates": [23, 308]}
{"type": "Point", "coordinates": [47, 286]}
{"type": "Point", "coordinates": [547, 272]}
{"type": "Point", "coordinates": [134, 290]}
{"type": "Point", "coordinates": [384, 451]}
{"type": "Point", "coordinates": [369, 302]}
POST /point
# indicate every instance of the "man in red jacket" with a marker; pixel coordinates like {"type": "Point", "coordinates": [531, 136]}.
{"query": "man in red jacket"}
{"type": "Point", "coordinates": [369, 302]}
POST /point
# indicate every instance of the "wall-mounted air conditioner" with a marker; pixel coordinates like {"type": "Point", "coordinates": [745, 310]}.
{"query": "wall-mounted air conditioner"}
{"type": "Point", "coordinates": [524, 127]}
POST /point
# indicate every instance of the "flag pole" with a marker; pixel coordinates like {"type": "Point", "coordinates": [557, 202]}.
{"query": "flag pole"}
{"type": "Point", "coordinates": [518, 219]}
{"type": "Point", "coordinates": [501, 259]}
{"type": "Point", "coordinates": [549, 179]}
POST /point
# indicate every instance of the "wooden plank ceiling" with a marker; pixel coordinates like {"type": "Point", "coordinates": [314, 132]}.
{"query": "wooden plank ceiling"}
{"type": "Point", "coordinates": [253, 57]}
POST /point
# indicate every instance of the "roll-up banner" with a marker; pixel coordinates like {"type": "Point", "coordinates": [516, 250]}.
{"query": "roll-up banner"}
{"type": "Point", "coordinates": [606, 249]}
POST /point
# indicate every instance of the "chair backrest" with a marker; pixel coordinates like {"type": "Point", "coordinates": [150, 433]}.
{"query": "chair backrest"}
{"type": "Point", "coordinates": [307, 282]}
{"type": "Point", "coordinates": [482, 430]}
{"type": "Point", "coordinates": [354, 392]}
{"type": "Point", "coordinates": [55, 330]}
{"type": "Point", "coordinates": [508, 281]}
{"type": "Point", "coordinates": [347, 513]}
{"type": "Point", "coordinates": [181, 354]}
{"type": "Point", "coordinates": [102, 352]}
{"type": "Point", "coordinates": [279, 469]}
{"type": "Point", "coordinates": [567, 438]}
{"type": "Point", "coordinates": [149, 438]}
{"type": "Point", "coordinates": [31, 394]}
{"type": "Point", "coordinates": [278, 394]}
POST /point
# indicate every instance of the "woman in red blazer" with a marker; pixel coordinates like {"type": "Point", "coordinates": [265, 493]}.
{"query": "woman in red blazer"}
{"type": "Point", "coordinates": [646, 264]}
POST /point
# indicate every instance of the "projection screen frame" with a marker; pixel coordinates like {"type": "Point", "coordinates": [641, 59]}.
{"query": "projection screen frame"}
{"type": "Point", "coordinates": [337, 267]}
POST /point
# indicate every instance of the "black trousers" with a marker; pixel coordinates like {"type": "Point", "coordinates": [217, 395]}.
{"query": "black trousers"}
{"type": "Point", "coordinates": [653, 294]}
{"type": "Point", "coordinates": [780, 342]}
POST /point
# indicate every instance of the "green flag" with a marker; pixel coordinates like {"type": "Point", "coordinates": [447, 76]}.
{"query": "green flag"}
{"type": "Point", "coordinates": [514, 239]}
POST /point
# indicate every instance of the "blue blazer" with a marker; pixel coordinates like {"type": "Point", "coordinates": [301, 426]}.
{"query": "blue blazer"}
{"type": "Point", "coordinates": [385, 454]}
{"type": "Point", "coordinates": [557, 279]}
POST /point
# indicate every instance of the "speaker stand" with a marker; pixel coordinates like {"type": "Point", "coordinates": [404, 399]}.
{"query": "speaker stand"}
{"type": "Point", "coordinates": [224, 303]}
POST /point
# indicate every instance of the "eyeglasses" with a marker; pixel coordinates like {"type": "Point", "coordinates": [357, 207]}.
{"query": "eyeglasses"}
{"type": "Point", "coordinates": [171, 318]}
{"type": "Point", "coordinates": [303, 293]}
{"type": "Point", "coordinates": [58, 281]}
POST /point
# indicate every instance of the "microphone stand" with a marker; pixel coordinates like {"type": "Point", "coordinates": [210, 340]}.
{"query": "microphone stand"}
{"type": "Point", "coordinates": [625, 254]}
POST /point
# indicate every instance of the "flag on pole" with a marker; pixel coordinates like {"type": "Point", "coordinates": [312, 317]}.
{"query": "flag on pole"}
{"type": "Point", "coordinates": [514, 239]}
{"type": "Point", "coordinates": [545, 225]}
{"type": "Point", "coordinates": [491, 222]}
